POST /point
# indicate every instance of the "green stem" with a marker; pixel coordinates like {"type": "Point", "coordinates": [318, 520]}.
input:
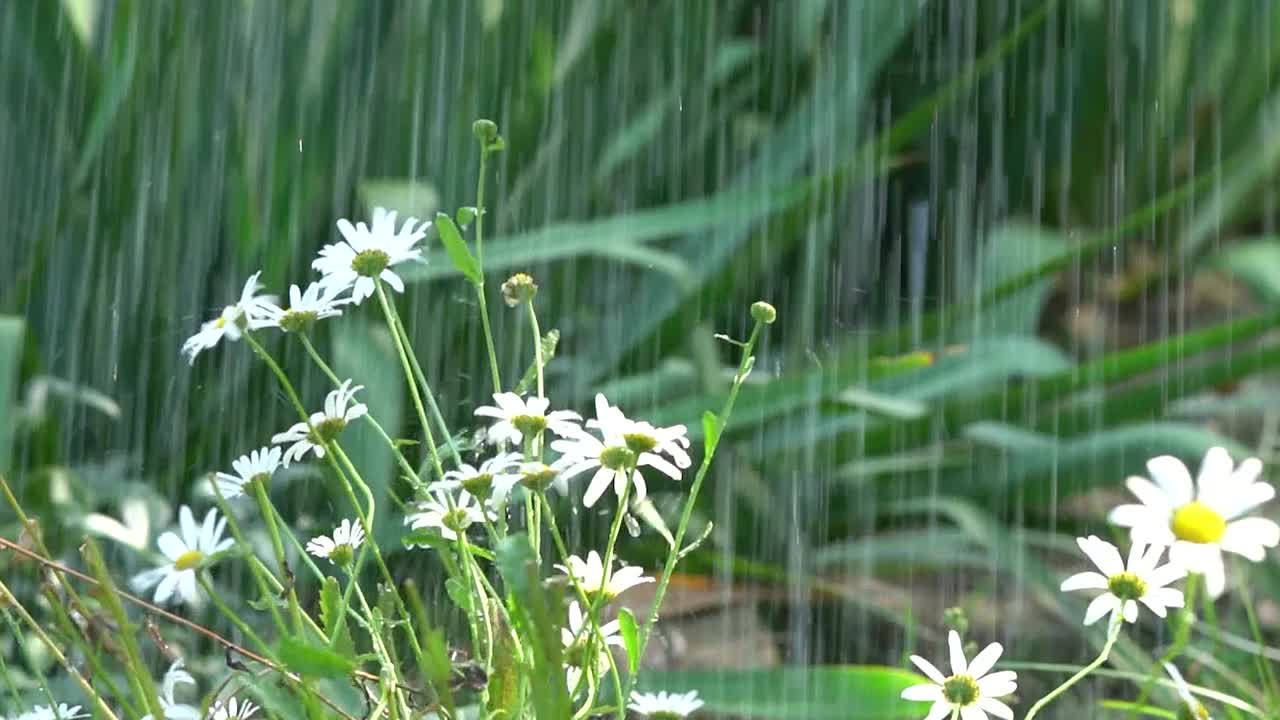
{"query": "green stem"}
{"type": "Point", "coordinates": [279, 373]}
{"type": "Point", "coordinates": [231, 615]}
{"type": "Point", "coordinates": [380, 648]}
{"type": "Point", "coordinates": [1113, 632]}
{"type": "Point", "coordinates": [470, 570]}
{"type": "Point", "coordinates": [1181, 635]}
{"type": "Point", "coordinates": [537, 347]}
{"type": "Point", "coordinates": [484, 308]}
{"type": "Point", "coordinates": [282, 561]}
{"type": "Point", "coordinates": [333, 377]}
{"type": "Point", "coordinates": [413, 386]}
{"type": "Point", "coordinates": [426, 390]}
{"type": "Point", "coordinates": [673, 556]}
{"type": "Point", "coordinates": [256, 569]}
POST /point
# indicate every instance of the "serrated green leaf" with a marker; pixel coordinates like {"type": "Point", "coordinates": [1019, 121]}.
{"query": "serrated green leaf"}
{"type": "Point", "coordinates": [630, 637]}
{"type": "Point", "coordinates": [457, 249]}
{"type": "Point", "coordinates": [314, 661]}
{"type": "Point", "coordinates": [332, 608]}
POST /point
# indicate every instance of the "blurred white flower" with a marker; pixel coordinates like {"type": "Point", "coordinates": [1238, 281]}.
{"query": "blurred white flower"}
{"type": "Point", "coordinates": [446, 512]}
{"type": "Point", "coordinates": [133, 532]}
{"type": "Point", "coordinates": [185, 552]}
{"type": "Point", "coordinates": [257, 466]}
{"type": "Point", "coordinates": [665, 706]}
{"type": "Point", "coordinates": [623, 448]}
{"type": "Point", "coordinates": [322, 427]}
{"type": "Point", "coordinates": [248, 314]}
{"type": "Point", "coordinates": [518, 417]}
{"type": "Point", "coordinates": [969, 688]}
{"type": "Point", "coordinates": [1199, 526]}
{"type": "Point", "coordinates": [492, 481]}
{"type": "Point", "coordinates": [305, 308]}
{"type": "Point", "coordinates": [341, 548]}
{"type": "Point", "coordinates": [591, 576]}
{"type": "Point", "coordinates": [1196, 709]}
{"type": "Point", "coordinates": [366, 254]}
{"type": "Point", "coordinates": [62, 711]}
{"type": "Point", "coordinates": [174, 710]}
{"type": "Point", "coordinates": [575, 638]}
{"type": "Point", "coordinates": [1125, 586]}
{"type": "Point", "coordinates": [232, 709]}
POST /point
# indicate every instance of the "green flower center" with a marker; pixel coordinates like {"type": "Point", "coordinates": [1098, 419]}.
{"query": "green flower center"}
{"type": "Point", "coordinates": [640, 443]}
{"type": "Point", "coordinates": [529, 425]}
{"type": "Point", "coordinates": [370, 263]}
{"type": "Point", "coordinates": [328, 429]}
{"type": "Point", "coordinates": [539, 479]}
{"type": "Point", "coordinates": [456, 520]}
{"type": "Point", "coordinates": [188, 560]}
{"type": "Point", "coordinates": [1198, 523]}
{"type": "Point", "coordinates": [960, 690]}
{"type": "Point", "coordinates": [1127, 586]}
{"type": "Point", "coordinates": [618, 457]}
{"type": "Point", "coordinates": [342, 555]}
{"type": "Point", "coordinates": [298, 321]}
{"type": "Point", "coordinates": [479, 485]}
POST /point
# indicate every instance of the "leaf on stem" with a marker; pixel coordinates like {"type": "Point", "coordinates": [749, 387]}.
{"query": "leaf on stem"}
{"type": "Point", "coordinates": [630, 637]}
{"type": "Point", "coordinates": [314, 661]}
{"type": "Point", "coordinates": [457, 249]}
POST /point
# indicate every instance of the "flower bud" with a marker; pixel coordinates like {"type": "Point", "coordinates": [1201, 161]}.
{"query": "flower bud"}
{"type": "Point", "coordinates": [486, 131]}
{"type": "Point", "coordinates": [763, 312]}
{"type": "Point", "coordinates": [519, 288]}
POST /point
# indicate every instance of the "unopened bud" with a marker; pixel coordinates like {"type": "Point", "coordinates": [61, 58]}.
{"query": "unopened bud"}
{"type": "Point", "coordinates": [763, 312]}
{"type": "Point", "coordinates": [486, 131]}
{"type": "Point", "coordinates": [956, 619]}
{"type": "Point", "coordinates": [519, 288]}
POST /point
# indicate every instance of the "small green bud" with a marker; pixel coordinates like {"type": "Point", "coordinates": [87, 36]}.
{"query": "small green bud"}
{"type": "Point", "coordinates": [486, 131]}
{"type": "Point", "coordinates": [465, 215]}
{"type": "Point", "coordinates": [342, 555]}
{"type": "Point", "coordinates": [956, 619]}
{"type": "Point", "coordinates": [519, 288]}
{"type": "Point", "coordinates": [498, 145]}
{"type": "Point", "coordinates": [763, 312]}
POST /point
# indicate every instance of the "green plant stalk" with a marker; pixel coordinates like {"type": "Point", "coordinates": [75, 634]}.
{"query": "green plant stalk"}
{"type": "Point", "coordinates": [333, 377]}
{"type": "Point", "coordinates": [413, 385]}
{"type": "Point", "coordinates": [563, 550]}
{"type": "Point", "coordinates": [1113, 633]}
{"type": "Point", "coordinates": [11, 601]}
{"type": "Point", "coordinates": [41, 679]}
{"type": "Point", "coordinates": [426, 389]}
{"type": "Point", "coordinates": [616, 527]}
{"type": "Point", "coordinates": [232, 616]}
{"type": "Point", "coordinates": [91, 654]}
{"type": "Point", "coordinates": [133, 656]}
{"type": "Point", "coordinates": [484, 308]}
{"type": "Point", "coordinates": [1255, 629]}
{"type": "Point", "coordinates": [277, 546]}
{"type": "Point", "coordinates": [8, 677]}
{"type": "Point", "coordinates": [537, 347]}
{"type": "Point", "coordinates": [673, 556]}
{"type": "Point", "coordinates": [257, 570]}
{"type": "Point", "coordinates": [470, 571]}
{"type": "Point", "coordinates": [384, 654]}
{"type": "Point", "coordinates": [1181, 634]}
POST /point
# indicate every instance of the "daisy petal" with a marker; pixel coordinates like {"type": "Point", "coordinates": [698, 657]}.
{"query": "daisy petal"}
{"type": "Point", "coordinates": [1100, 606]}
{"type": "Point", "coordinates": [929, 669]}
{"type": "Point", "coordinates": [1085, 581]}
{"type": "Point", "coordinates": [985, 660]}
{"type": "Point", "coordinates": [1172, 476]}
{"type": "Point", "coordinates": [958, 664]}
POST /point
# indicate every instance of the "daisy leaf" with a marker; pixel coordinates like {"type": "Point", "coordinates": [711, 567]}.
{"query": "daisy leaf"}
{"type": "Point", "coordinates": [457, 249]}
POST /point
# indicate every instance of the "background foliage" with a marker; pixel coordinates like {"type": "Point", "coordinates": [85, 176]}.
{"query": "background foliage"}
{"type": "Point", "coordinates": [1017, 248]}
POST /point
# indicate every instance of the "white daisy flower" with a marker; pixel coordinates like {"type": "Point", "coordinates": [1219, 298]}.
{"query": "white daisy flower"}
{"type": "Point", "coordinates": [969, 688]}
{"type": "Point", "coordinates": [576, 638]}
{"type": "Point", "coordinates": [185, 552]}
{"type": "Point", "coordinates": [341, 548]}
{"type": "Point", "coordinates": [62, 711]}
{"type": "Point", "coordinates": [257, 466]}
{"type": "Point", "coordinates": [1196, 709]}
{"type": "Point", "coordinates": [322, 427]}
{"type": "Point", "coordinates": [305, 308]}
{"type": "Point", "coordinates": [665, 706]}
{"type": "Point", "coordinates": [591, 576]}
{"type": "Point", "coordinates": [232, 709]}
{"type": "Point", "coordinates": [492, 481]}
{"type": "Point", "coordinates": [1126, 586]}
{"type": "Point", "coordinates": [626, 446]}
{"type": "Point", "coordinates": [173, 710]}
{"type": "Point", "coordinates": [1200, 523]}
{"type": "Point", "coordinates": [367, 254]}
{"type": "Point", "coordinates": [518, 417]}
{"type": "Point", "coordinates": [247, 314]}
{"type": "Point", "coordinates": [449, 514]}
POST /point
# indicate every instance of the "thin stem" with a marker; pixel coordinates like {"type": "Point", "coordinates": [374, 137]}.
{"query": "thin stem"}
{"type": "Point", "coordinates": [673, 556]}
{"type": "Point", "coordinates": [380, 647]}
{"type": "Point", "coordinates": [1181, 635]}
{"type": "Point", "coordinates": [333, 377]}
{"type": "Point", "coordinates": [279, 373]}
{"type": "Point", "coordinates": [470, 570]}
{"type": "Point", "coordinates": [230, 614]}
{"type": "Point", "coordinates": [484, 308]}
{"type": "Point", "coordinates": [8, 599]}
{"type": "Point", "coordinates": [426, 389]}
{"type": "Point", "coordinates": [257, 570]}
{"type": "Point", "coordinates": [269, 515]}
{"type": "Point", "coordinates": [537, 347]}
{"type": "Point", "coordinates": [1113, 632]}
{"type": "Point", "coordinates": [413, 386]}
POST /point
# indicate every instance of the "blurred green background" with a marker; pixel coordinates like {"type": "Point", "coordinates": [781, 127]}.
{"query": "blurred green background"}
{"type": "Point", "coordinates": [1017, 247]}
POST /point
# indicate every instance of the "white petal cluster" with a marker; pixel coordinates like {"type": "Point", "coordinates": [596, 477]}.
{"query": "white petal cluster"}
{"type": "Point", "coordinates": [1142, 580]}
{"type": "Point", "coordinates": [446, 512]}
{"type": "Point", "coordinates": [367, 253]}
{"type": "Point", "coordinates": [1200, 522]}
{"type": "Point", "coordinates": [971, 687]}
{"type": "Point", "coordinates": [172, 709]}
{"type": "Point", "coordinates": [517, 418]}
{"type": "Point", "coordinates": [348, 535]}
{"type": "Point", "coordinates": [664, 705]}
{"type": "Point", "coordinates": [184, 552]}
{"type": "Point", "coordinates": [310, 436]}
{"type": "Point", "coordinates": [590, 574]}
{"type": "Point", "coordinates": [249, 313]}
{"type": "Point", "coordinates": [258, 465]}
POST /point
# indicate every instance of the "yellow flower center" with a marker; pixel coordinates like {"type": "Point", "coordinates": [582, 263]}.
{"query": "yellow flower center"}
{"type": "Point", "coordinates": [529, 424]}
{"type": "Point", "coordinates": [618, 457]}
{"type": "Point", "coordinates": [1127, 586]}
{"type": "Point", "coordinates": [370, 263]}
{"type": "Point", "coordinates": [1198, 523]}
{"type": "Point", "coordinates": [188, 560]}
{"type": "Point", "coordinates": [640, 442]}
{"type": "Point", "coordinates": [960, 690]}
